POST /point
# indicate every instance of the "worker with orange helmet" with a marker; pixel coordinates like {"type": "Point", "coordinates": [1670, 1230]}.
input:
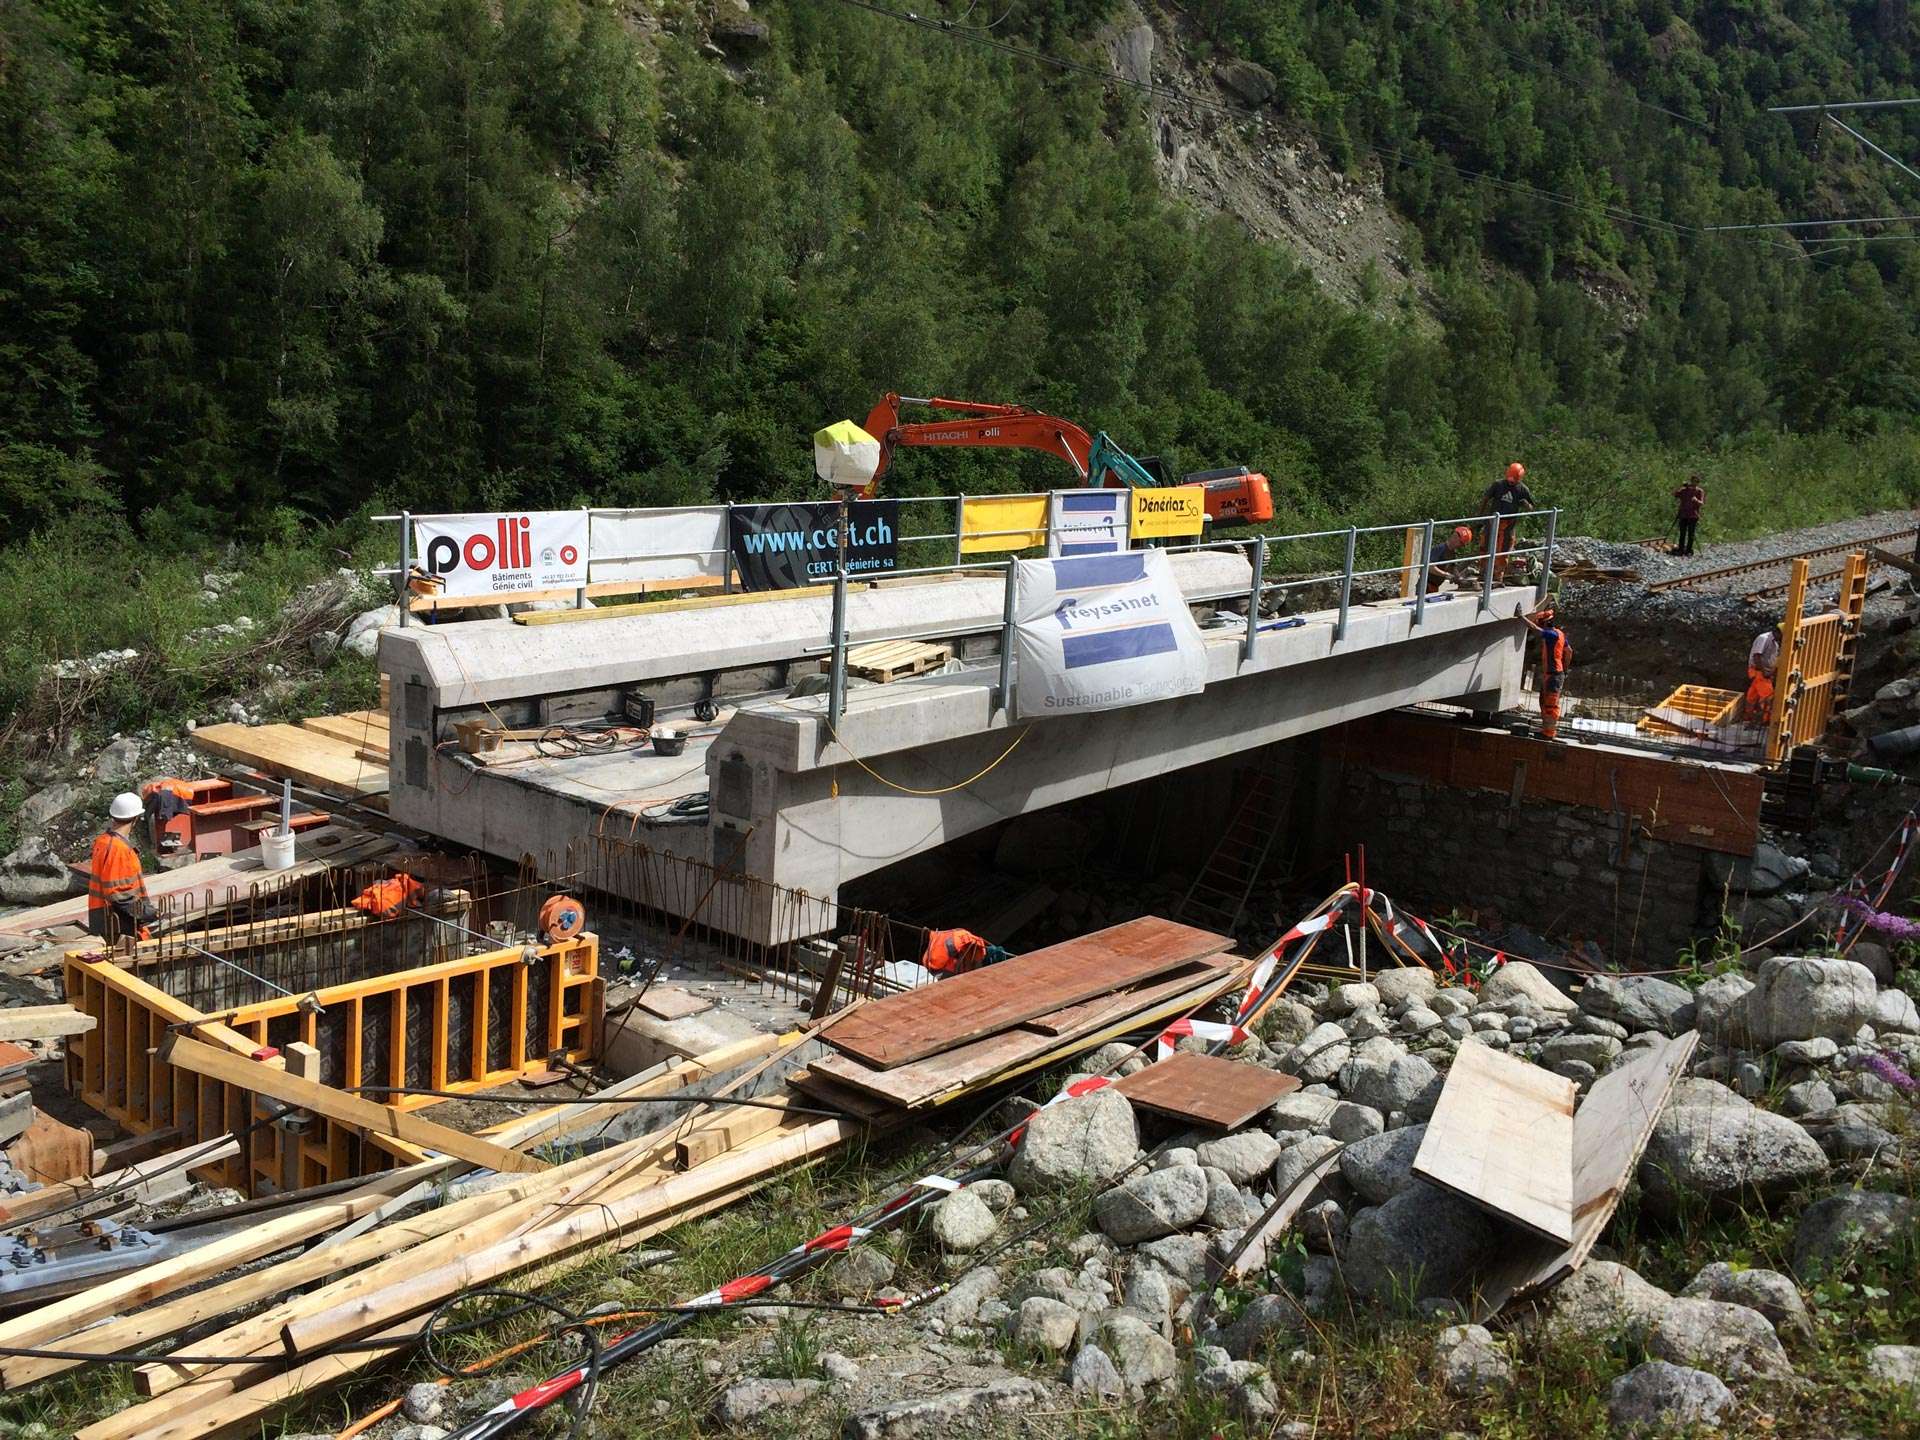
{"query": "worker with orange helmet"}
{"type": "Point", "coordinates": [1506, 497]}
{"type": "Point", "coordinates": [1556, 658]}
{"type": "Point", "coordinates": [1446, 552]}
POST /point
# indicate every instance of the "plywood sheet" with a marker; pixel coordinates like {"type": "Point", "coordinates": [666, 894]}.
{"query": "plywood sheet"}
{"type": "Point", "coordinates": [922, 1082]}
{"type": "Point", "coordinates": [939, 1017]}
{"type": "Point", "coordinates": [1207, 1090]}
{"type": "Point", "coordinates": [1502, 1137]}
{"type": "Point", "coordinates": [312, 759]}
{"type": "Point", "coordinates": [1610, 1131]}
{"type": "Point", "coordinates": [670, 1002]}
{"type": "Point", "coordinates": [1074, 1018]}
{"type": "Point", "coordinates": [364, 730]}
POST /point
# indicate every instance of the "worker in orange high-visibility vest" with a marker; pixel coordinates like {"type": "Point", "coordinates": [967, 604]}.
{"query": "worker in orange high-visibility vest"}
{"type": "Point", "coordinates": [117, 904]}
{"type": "Point", "coordinates": [1556, 658]}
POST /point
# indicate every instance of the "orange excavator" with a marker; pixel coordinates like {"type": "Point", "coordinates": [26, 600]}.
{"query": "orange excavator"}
{"type": "Point", "coordinates": [1233, 497]}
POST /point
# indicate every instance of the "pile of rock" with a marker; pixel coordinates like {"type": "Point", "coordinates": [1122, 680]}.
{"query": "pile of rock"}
{"type": "Point", "coordinates": [1791, 1079]}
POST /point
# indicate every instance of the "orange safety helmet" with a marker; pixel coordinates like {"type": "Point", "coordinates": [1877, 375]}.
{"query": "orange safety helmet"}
{"type": "Point", "coordinates": [1516, 471]}
{"type": "Point", "coordinates": [1462, 535]}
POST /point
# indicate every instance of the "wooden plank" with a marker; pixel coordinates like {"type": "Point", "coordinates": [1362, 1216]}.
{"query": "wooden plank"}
{"type": "Point", "coordinates": [665, 607]}
{"type": "Point", "coordinates": [580, 1226]}
{"type": "Point", "coordinates": [670, 1002]}
{"type": "Point", "coordinates": [338, 1105]}
{"type": "Point", "coordinates": [297, 754]}
{"type": "Point", "coordinates": [358, 734]}
{"type": "Point", "coordinates": [1074, 1017]}
{"type": "Point", "coordinates": [1502, 1136]}
{"type": "Point", "coordinates": [1206, 1089]}
{"type": "Point", "coordinates": [1252, 1250]}
{"type": "Point", "coordinates": [121, 1293]}
{"type": "Point", "coordinates": [966, 1007]}
{"type": "Point", "coordinates": [921, 1082]}
{"type": "Point", "coordinates": [726, 1131]}
{"type": "Point", "coordinates": [1610, 1131]}
{"type": "Point", "coordinates": [43, 1022]}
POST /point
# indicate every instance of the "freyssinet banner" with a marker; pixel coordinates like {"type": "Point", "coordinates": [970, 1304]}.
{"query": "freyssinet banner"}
{"type": "Point", "coordinates": [504, 554]}
{"type": "Point", "coordinates": [781, 547]}
{"type": "Point", "coordinates": [1086, 522]}
{"type": "Point", "coordinates": [1097, 632]}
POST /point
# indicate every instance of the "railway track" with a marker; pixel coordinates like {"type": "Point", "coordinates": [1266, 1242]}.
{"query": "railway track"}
{"type": "Point", "coordinates": [1720, 579]}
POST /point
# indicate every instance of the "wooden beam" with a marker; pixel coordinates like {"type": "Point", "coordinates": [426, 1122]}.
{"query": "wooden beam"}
{"type": "Point", "coordinates": [580, 1227]}
{"type": "Point", "coordinates": [338, 1105]}
{"type": "Point", "coordinates": [43, 1022]}
{"type": "Point", "coordinates": [667, 607]}
{"type": "Point", "coordinates": [724, 1132]}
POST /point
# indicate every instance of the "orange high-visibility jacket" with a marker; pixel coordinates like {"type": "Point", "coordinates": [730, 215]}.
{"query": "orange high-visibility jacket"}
{"type": "Point", "coordinates": [953, 952]}
{"type": "Point", "coordinates": [387, 898]}
{"type": "Point", "coordinates": [114, 884]}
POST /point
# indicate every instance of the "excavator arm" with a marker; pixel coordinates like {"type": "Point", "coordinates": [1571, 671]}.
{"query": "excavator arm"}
{"type": "Point", "coordinates": [1233, 497]}
{"type": "Point", "coordinates": [1010, 426]}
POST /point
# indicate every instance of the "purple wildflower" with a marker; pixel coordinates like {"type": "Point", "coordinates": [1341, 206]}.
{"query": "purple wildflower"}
{"type": "Point", "coordinates": [1883, 1065]}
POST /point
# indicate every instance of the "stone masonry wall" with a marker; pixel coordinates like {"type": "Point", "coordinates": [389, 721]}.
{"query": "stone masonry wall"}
{"type": "Point", "coordinates": [1551, 868]}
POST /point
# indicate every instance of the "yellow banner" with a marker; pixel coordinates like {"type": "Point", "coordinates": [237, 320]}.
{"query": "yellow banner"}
{"type": "Point", "coordinates": [1002, 522]}
{"type": "Point", "coordinates": [1158, 514]}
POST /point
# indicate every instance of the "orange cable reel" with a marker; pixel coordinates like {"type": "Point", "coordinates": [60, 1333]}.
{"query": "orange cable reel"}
{"type": "Point", "coordinates": [562, 918]}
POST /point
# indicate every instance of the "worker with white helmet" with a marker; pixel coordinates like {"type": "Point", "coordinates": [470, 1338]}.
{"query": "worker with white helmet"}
{"type": "Point", "coordinates": [117, 904]}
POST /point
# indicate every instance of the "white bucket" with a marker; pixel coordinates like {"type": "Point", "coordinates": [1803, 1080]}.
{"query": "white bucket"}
{"type": "Point", "coordinates": [276, 850]}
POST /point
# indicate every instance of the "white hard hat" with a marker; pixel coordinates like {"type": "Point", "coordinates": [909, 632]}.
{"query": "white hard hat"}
{"type": "Point", "coordinates": [126, 806]}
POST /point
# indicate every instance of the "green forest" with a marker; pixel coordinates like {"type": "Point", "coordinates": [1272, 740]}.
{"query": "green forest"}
{"type": "Point", "coordinates": [265, 266]}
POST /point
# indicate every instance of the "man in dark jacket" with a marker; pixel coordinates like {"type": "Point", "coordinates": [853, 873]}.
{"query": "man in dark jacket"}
{"type": "Point", "coordinates": [1692, 496]}
{"type": "Point", "coordinates": [1506, 497]}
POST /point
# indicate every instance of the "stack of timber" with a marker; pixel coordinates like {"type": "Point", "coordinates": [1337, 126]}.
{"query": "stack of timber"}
{"type": "Point", "coordinates": [381, 1255]}
{"type": "Point", "coordinates": [975, 1031]}
{"type": "Point", "coordinates": [344, 755]}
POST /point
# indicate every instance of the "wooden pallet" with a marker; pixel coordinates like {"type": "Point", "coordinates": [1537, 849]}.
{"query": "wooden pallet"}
{"type": "Point", "coordinates": [887, 660]}
{"type": "Point", "coordinates": [297, 752]}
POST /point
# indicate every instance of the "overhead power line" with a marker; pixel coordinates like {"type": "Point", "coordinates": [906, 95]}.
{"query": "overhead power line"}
{"type": "Point", "coordinates": [1890, 159]}
{"type": "Point", "coordinates": [1840, 105]}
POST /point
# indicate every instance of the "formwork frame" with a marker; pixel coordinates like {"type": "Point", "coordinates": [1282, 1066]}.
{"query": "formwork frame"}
{"type": "Point", "coordinates": [462, 1025]}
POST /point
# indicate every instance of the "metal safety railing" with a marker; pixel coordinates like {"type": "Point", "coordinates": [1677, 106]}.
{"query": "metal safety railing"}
{"type": "Point", "coordinates": [1419, 571]}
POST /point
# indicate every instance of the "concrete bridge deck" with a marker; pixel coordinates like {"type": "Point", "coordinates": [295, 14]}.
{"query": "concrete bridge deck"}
{"type": "Point", "coordinates": [911, 765]}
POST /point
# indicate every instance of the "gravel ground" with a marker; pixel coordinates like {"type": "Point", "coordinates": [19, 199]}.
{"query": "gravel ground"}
{"type": "Point", "coordinates": [1789, 542]}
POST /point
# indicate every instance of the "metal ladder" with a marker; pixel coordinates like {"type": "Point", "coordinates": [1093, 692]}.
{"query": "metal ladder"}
{"type": "Point", "coordinates": [1218, 896]}
{"type": "Point", "coordinates": [1852, 600]}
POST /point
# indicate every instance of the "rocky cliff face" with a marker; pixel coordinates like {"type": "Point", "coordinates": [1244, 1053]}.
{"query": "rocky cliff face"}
{"type": "Point", "coordinates": [1223, 146]}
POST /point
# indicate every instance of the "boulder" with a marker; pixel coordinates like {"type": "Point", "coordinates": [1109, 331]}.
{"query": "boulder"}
{"type": "Point", "coordinates": [119, 762]}
{"type": "Point", "coordinates": [1731, 1341]}
{"type": "Point", "coordinates": [1320, 1055]}
{"type": "Point", "coordinates": [1895, 1365]}
{"type": "Point", "coordinates": [1093, 1373]}
{"type": "Point", "coordinates": [34, 874]}
{"type": "Point", "coordinates": [1876, 958]}
{"type": "Point", "coordinates": [362, 635]}
{"type": "Point", "coordinates": [1297, 1159]}
{"type": "Point", "coordinates": [962, 1303]}
{"type": "Point", "coordinates": [1152, 1205]}
{"type": "Point", "coordinates": [1049, 1326]}
{"type": "Point", "coordinates": [1141, 1355]}
{"type": "Point", "coordinates": [1894, 1013]}
{"type": "Point", "coordinates": [44, 805]}
{"type": "Point", "coordinates": [1451, 1002]}
{"type": "Point", "coordinates": [1253, 84]}
{"type": "Point", "coordinates": [1132, 52]}
{"type": "Point", "coordinates": [957, 1412]}
{"type": "Point", "coordinates": [1594, 1051]}
{"type": "Point", "coordinates": [1724, 1155]}
{"type": "Point", "coordinates": [1413, 983]}
{"type": "Point", "coordinates": [1717, 1002]}
{"type": "Point", "coordinates": [1817, 1051]}
{"type": "Point", "coordinates": [1228, 1205]}
{"type": "Point", "coordinates": [1660, 1398]}
{"type": "Point", "coordinates": [1469, 1363]}
{"type": "Point", "coordinates": [1355, 1122]}
{"type": "Point", "coordinates": [1345, 999]}
{"type": "Point", "coordinates": [1799, 997]}
{"type": "Point", "coordinates": [745, 1401]}
{"type": "Point", "coordinates": [1518, 982]}
{"type": "Point", "coordinates": [963, 1222]}
{"type": "Point", "coordinates": [1381, 1167]}
{"type": "Point", "coordinates": [862, 1270]}
{"type": "Point", "coordinates": [1264, 1318]}
{"type": "Point", "coordinates": [1639, 1003]}
{"type": "Point", "coordinates": [1837, 1230]}
{"type": "Point", "coordinates": [1768, 1291]}
{"type": "Point", "coordinates": [1182, 1256]}
{"type": "Point", "coordinates": [1301, 1111]}
{"type": "Point", "coordinates": [1246, 1157]}
{"type": "Point", "coordinates": [1852, 1132]}
{"type": "Point", "coordinates": [1324, 1227]}
{"type": "Point", "coordinates": [741, 36]}
{"type": "Point", "coordinates": [1421, 1242]}
{"type": "Point", "coordinates": [1603, 1299]}
{"type": "Point", "coordinates": [1383, 1075]}
{"type": "Point", "coordinates": [1090, 1139]}
{"type": "Point", "coordinates": [1246, 1387]}
{"type": "Point", "coordinates": [1117, 1059]}
{"type": "Point", "coordinates": [1808, 1098]}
